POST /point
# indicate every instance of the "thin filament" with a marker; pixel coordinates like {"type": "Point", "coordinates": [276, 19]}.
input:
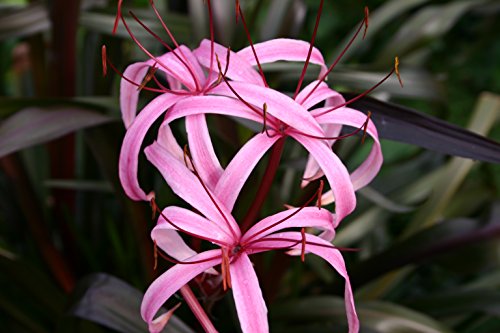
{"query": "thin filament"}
{"type": "Point", "coordinates": [195, 171]}
{"type": "Point", "coordinates": [295, 212]}
{"type": "Point", "coordinates": [247, 32]}
{"type": "Point", "coordinates": [363, 23]}
{"type": "Point", "coordinates": [311, 45]}
{"type": "Point", "coordinates": [183, 61]}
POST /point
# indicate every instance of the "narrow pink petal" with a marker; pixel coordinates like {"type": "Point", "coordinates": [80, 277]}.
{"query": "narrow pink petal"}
{"type": "Point", "coordinates": [211, 105]}
{"type": "Point", "coordinates": [312, 170]}
{"type": "Point", "coordinates": [335, 172]}
{"type": "Point", "coordinates": [176, 72]}
{"type": "Point", "coordinates": [331, 255]}
{"type": "Point", "coordinates": [172, 243]}
{"type": "Point", "coordinates": [202, 150]}
{"type": "Point", "coordinates": [250, 305]}
{"type": "Point", "coordinates": [187, 186]}
{"type": "Point", "coordinates": [239, 68]}
{"type": "Point", "coordinates": [129, 95]}
{"type": "Point", "coordinates": [172, 66]}
{"type": "Point", "coordinates": [192, 62]}
{"type": "Point", "coordinates": [157, 325]}
{"type": "Point", "coordinates": [172, 280]}
{"type": "Point", "coordinates": [302, 218]}
{"type": "Point", "coordinates": [365, 173]}
{"type": "Point", "coordinates": [240, 167]}
{"type": "Point", "coordinates": [167, 140]}
{"type": "Point", "coordinates": [320, 94]}
{"type": "Point", "coordinates": [192, 223]}
{"type": "Point", "coordinates": [131, 146]}
{"type": "Point", "coordinates": [278, 105]}
{"type": "Point", "coordinates": [283, 49]}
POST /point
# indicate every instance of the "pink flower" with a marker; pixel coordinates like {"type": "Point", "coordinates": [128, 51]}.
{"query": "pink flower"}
{"type": "Point", "coordinates": [216, 225]}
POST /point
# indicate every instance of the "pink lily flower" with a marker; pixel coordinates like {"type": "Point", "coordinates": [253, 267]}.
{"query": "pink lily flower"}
{"type": "Point", "coordinates": [186, 79]}
{"type": "Point", "coordinates": [331, 118]}
{"type": "Point", "coordinates": [216, 225]}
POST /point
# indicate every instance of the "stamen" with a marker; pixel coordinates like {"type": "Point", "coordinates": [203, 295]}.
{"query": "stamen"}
{"type": "Point", "coordinates": [155, 254]}
{"type": "Point", "coordinates": [264, 125]}
{"type": "Point", "coordinates": [366, 92]}
{"type": "Point", "coordinates": [163, 90]}
{"type": "Point", "coordinates": [295, 212]}
{"type": "Point", "coordinates": [320, 192]}
{"type": "Point", "coordinates": [249, 38]}
{"type": "Point", "coordinates": [154, 208]}
{"type": "Point", "coordinates": [183, 61]}
{"type": "Point", "coordinates": [311, 45]}
{"type": "Point", "coordinates": [151, 73]}
{"type": "Point", "coordinates": [363, 23]}
{"type": "Point", "coordinates": [297, 242]}
{"type": "Point", "coordinates": [104, 62]}
{"type": "Point", "coordinates": [341, 137]}
{"type": "Point", "coordinates": [187, 157]}
{"type": "Point", "coordinates": [180, 262]}
{"type": "Point", "coordinates": [237, 8]}
{"type": "Point", "coordinates": [131, 34]}
{"type": "Point", "coordinates": [212, 48]}
{"type": "Point", "coordinates": [364, 127]}
{"type": "Point", "coordinates": [118, 15]}
{"type": "Point", "coordinates": [303, 247]}
{"type": "Point", "coordinates": [215, 241]}
{"type": "Point", "coordinates": [367, 14]}
{"type": "Point", "coordinates": [396, 68]}
{"type": "Point", "coordinates": [250, 106]}
{"type": "Point", "coordinates": [225, 271]}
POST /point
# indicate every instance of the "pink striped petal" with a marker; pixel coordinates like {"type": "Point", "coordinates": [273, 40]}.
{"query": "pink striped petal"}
{"type": "Point", "coordinates": [312, 170]}
{"type": "Point", "coordinates": [238, 170]}
{"type": "Point", "coordinates": [172, 244]}
{"type": "Point", "coordinates": [323, 249]}
{"type": "Point", "coordinates": [283, 49]}
{"type": "Point", "coordinates": [176, 73]}
{"type": "Point", "coordinates": [278, 105]}
{"type": "Point", "coordinates": [192, 224]}
{"type": "Point", "coordinates": [320, 94]}
{"type": "Point", "coordinates": [335, 172]}
{"type": "Point", "coordinates": [250, 305]}
{"type": "Point", "coordinates": [131, 146]}
{"type": "Point", "coordinates": [211, 105]}
{"type": "Point", "coordinates": [202, 150]}
{"type": "Point", "coordinates": [365, 173]}
{"type": "Point", "coordinates": [168, 141]}
{"type": "Point", "coordinates": [187, 186]}
{"type": "Point", "coordinates": [292, 218]}
{"type": "Point", "coordinates": [129, 95]}
{"type": "Point", "coordinates": [239, 68]}
{"type": "Point", "coordinates": [172, 280]}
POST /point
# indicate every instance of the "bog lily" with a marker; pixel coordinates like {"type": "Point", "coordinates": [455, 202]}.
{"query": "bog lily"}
{"type": "Point", "coordinates": [214, 223]}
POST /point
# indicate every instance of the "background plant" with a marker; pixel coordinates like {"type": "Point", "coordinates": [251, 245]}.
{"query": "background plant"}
{"type": "Point", "coordinates": [427, 227]}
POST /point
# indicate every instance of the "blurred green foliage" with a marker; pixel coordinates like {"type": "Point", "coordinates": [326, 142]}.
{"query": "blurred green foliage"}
{"type": "Point", "coordinates": [428, 232]}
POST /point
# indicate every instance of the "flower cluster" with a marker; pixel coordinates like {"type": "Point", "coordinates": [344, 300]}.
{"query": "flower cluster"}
{"type": "Point", "coordinates": [212, 79]}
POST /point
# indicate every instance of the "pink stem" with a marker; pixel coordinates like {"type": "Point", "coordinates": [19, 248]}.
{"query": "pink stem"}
{"type": "Point", "coordinates": [197, 309]}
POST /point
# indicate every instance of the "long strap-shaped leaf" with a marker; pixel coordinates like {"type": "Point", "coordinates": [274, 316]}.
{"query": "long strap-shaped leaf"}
{"type": "Point", "coordinates": [399, 123]}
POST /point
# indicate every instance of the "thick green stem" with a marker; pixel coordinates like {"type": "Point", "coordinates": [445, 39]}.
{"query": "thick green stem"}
{"type": "Point", "coordinates": [265, 185]}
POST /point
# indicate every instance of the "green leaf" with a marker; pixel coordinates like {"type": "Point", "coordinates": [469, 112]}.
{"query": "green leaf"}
{"type": "Point", "coordinates": [24, 21]}
{"type": "Point", "coordinates": [427, 24]}
{"type": "Point", "coordinates": [381, 317]}
{"type": "Point", "coordinates": [113, 303]}
{"type": "Point", "coordinates": [34, 126]}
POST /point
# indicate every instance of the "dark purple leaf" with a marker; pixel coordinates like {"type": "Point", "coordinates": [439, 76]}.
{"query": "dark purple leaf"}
{"type": "Point", "coordinates": [399, 123]}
